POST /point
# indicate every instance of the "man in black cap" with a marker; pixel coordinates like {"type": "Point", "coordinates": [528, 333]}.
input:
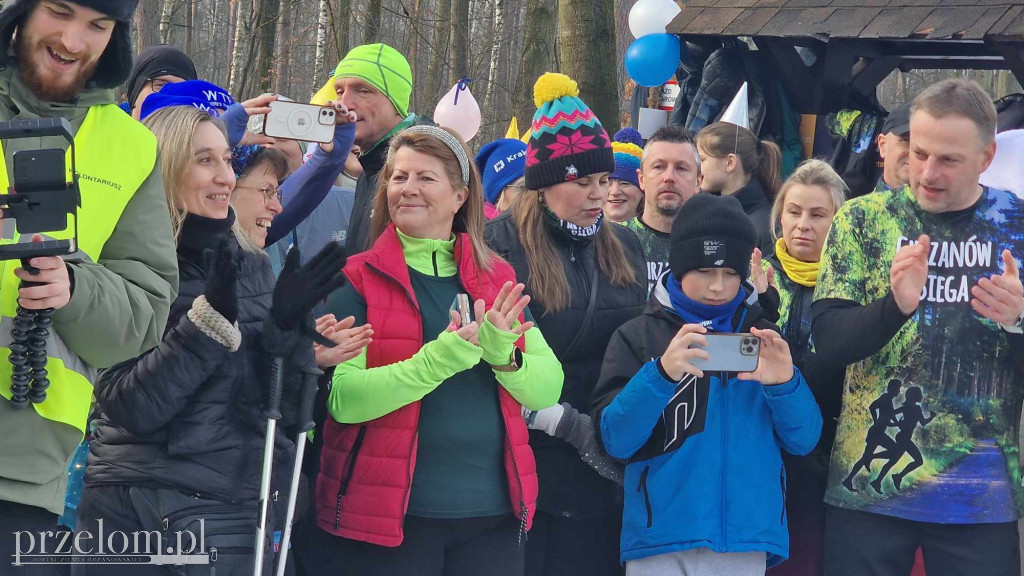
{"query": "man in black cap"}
{"type": "Point", "coordinates": [154, 68]}
{"type": "Point", "coordinates": [63, 58]}
{"type": "Point", "coordinates": [894, 148]}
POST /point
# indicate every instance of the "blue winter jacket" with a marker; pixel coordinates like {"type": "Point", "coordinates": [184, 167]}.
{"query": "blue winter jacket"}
{"type": "Point", "coordinates": [704, 463]}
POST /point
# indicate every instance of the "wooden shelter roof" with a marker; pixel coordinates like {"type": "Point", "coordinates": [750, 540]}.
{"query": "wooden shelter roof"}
{"type": "Point", "coordinates": [875, 19]}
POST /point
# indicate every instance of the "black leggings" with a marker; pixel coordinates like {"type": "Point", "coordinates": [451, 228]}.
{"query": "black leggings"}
{"type": "Point", "coordinates": [432, 547]}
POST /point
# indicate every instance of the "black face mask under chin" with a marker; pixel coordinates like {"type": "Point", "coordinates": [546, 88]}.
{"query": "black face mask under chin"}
{"type": "Point", "coordinates": [573, 232]}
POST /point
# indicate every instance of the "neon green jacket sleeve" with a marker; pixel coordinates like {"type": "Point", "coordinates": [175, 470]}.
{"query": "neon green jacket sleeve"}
{"type": "Point", "coordinates": [361, 394]}
{"type": "Point", "coordinates": [538, 382]}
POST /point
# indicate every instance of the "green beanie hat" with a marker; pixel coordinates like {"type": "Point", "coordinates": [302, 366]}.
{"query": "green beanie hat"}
{"type": "Point", "coordinates": [384, 68]}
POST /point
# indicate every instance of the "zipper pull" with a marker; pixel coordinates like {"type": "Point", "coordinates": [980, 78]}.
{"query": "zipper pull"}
{"type": "Point", "coordinates": [524, 513]}
{"type": "Point", "coordinates": [572, 254]}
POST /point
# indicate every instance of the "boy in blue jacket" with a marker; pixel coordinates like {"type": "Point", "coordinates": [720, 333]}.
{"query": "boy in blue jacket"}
{"type": "Point", "coordinates": [705, 486]}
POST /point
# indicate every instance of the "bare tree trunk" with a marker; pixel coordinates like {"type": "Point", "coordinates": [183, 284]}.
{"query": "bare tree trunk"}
{"type": "Point", "coordinates": [460, 38]}
{"type": "Point", "coordinates": [437, 70]}
{"type": "Point", "coordinates": [587, 42]}
{"type": "Point", "coordinates": [167, 21]}
{"type": "Point", "coordinates": [373, 16]}
{"type": "Point", "coordinates": [496, 39]}
{"type": "Point", "coordinates": [414, 45]}
{"type": "Point", "coordinates": [237, 53]}
{"type": "Point", "coordinates": [539, 55]}
{"type": "Point", "coordinates": [266, 32]}
{"type": "Point", "coordinates": [340, 18]}
{"type": "Point", "coordinates": [190, 20]}
{"type": "Point", "coordinates": [321, 38]}
{"type": "Point", "coordinates": [284, 47]}
{"type": "Point", "coordinates": [147, 23]}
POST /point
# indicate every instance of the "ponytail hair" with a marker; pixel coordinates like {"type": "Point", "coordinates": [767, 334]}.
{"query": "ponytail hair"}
{"type": "Point", "coordinates": [759, 159]}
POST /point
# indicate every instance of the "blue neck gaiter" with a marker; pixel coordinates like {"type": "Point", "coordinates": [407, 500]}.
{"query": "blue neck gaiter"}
{"type": "Point", "coordinates": [714, 318]}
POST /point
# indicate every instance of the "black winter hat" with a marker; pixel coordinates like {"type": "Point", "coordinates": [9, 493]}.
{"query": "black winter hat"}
{"type": "Point", "coordinates": [711, 232]}
{"type": "Point", "coordinates": [116, 62]}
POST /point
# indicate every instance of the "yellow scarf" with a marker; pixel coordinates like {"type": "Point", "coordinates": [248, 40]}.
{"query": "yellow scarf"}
{"type": "Point", "coordinates": [803, 273]}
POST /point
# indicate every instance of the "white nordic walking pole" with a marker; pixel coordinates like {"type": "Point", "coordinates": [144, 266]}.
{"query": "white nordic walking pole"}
{"type": "Point", "coordinates": [305, 424]}
{"type": "Point", "coordinates": [273, 413]}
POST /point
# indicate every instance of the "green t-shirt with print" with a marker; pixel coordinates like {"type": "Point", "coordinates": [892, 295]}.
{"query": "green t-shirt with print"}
{"type": "Point", "coordinates": [926, 429]}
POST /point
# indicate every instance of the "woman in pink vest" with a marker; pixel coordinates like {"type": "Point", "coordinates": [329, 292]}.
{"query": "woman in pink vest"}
{"type": "Point", "coordinates": [426, 467]}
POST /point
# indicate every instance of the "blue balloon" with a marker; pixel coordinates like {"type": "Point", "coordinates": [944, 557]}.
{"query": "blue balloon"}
{"type": "Point", "coordinates": [652, 60]}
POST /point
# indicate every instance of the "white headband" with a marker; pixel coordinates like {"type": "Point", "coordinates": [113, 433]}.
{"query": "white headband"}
{"type": "Point", "coordinates": [444, 136]}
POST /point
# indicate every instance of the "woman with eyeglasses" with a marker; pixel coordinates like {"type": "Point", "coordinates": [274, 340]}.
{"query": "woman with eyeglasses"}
{"type": "Point", "coordinates": [180, 429]}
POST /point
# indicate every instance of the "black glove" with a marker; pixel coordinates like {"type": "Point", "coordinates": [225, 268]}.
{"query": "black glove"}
{"type": "Point", "coordinates": [298, 290]}
{"type": "Point", "coordinates": [222, 279]}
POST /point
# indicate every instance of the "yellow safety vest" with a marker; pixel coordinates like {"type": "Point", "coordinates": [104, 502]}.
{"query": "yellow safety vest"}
{"type": "Point", "coordinates": [114, 155]}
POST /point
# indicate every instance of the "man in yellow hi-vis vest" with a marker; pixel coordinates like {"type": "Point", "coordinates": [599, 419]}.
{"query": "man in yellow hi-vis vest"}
{"type": "Point", "coordinates": [62, 58]}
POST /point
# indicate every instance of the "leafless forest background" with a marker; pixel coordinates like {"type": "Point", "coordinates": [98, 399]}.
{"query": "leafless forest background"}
{"type": "Point", "coordinates": [290, 47]}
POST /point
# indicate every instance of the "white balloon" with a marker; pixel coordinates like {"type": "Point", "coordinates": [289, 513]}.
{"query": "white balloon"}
{"type": "Point", "coordinates": [462, 117]}
{"type": "Point", "coordinates": [651, 16]}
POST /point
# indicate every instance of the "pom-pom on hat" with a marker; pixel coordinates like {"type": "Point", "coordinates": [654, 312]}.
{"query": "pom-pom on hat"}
{"type": "Point", "coordinates": [501, 163]}
{"type": "Point", "coordinates": [567, 141]}
{"type": "Point", "coordinates": [628, 154]}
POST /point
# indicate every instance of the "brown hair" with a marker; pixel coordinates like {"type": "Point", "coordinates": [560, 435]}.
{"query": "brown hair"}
{"type": "Point", "coordinates": [811, 172]}
{"type": "Point", "coordinates": [470, 217]}
{"type": "Point", "coordinates": [276, 159]}
{"type": "Point", "coordinates": [959, 97]}
{"type": "Point", "coordinates": [760, 158]}
{"type": "Point", "coordinates": [547, 277]}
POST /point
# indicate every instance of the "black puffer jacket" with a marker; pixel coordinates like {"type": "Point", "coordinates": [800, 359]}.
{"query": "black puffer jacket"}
{"type": "Point", "coordinates": [187, 414]}
{"type": "Point", "coordinates": [567, 484]}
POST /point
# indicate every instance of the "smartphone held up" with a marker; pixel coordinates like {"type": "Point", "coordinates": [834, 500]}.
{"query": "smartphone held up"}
{"type": "Point", "coordinates": [730, 353]}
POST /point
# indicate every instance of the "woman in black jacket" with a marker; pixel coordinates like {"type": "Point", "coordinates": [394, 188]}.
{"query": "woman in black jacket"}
{"type": "Point", "coordinates": [180, 430]}
{"type": "Point", "coordinates": [585, 278]}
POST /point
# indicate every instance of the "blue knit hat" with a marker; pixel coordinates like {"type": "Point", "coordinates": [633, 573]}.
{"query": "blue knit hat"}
{"type": "Point", "coordinates": [198, 93]}
{"type": "Point", "coordinates": [627, 146]}
{"type": "Point", "coordinates": [501, 163]}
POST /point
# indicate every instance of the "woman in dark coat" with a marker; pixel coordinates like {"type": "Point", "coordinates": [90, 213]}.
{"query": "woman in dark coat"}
{"type": "Point", "coordinates": [181, 428]}
{"type": "Point", "coordinates": [585, 279]}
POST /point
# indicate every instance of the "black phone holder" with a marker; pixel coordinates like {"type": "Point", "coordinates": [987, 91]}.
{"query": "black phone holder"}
{"type": "Point", "coordinates": [39, 199]}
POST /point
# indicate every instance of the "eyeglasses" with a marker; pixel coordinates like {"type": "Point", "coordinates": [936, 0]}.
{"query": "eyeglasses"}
{"type": "Point", "coordinates": [157, 84]}
{"type": "Point", "coordinates": [269, 193]}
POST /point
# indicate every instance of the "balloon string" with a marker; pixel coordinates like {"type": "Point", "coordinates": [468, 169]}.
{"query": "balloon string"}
{"type": "Point", "coordinates": [462, 85]}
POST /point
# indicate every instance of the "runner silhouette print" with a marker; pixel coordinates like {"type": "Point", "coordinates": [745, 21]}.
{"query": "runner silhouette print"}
{"type": "Point", "coordinates": [912, 415]}
{"type": "Point", "coordinates": [883, 415]}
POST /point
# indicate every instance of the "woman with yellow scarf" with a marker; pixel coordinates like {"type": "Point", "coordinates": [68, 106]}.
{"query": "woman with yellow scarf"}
{"type": "Point", "coordinates": [803, 212]}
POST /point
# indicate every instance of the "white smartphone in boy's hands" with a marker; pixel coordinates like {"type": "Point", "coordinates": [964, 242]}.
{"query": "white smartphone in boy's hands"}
{"type": "Point", "coordinates": [729, 353]}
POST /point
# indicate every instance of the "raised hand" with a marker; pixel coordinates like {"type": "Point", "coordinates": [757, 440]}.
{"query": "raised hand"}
{"type": "Point", "coordinates": [349, 341]}
{"type": "Point", "coordinates": [508, 305]}
{"type": "Point", "coordinates": [222, 279]}
{"type": "Point", "coordinates": [342, 116]}
{"type": "Point", "coordinates": [253, 107]}
{"type": "Point", "coordinates": [681, 350]}
{"type": "Point", "coordinates": [909, 273]}
{"type": "Point", "coordinates": [758, 277]}
{"type": "Point", "coordinates": [774, 362]}
{"type": "Point", "coordinates": [1000, 297]}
